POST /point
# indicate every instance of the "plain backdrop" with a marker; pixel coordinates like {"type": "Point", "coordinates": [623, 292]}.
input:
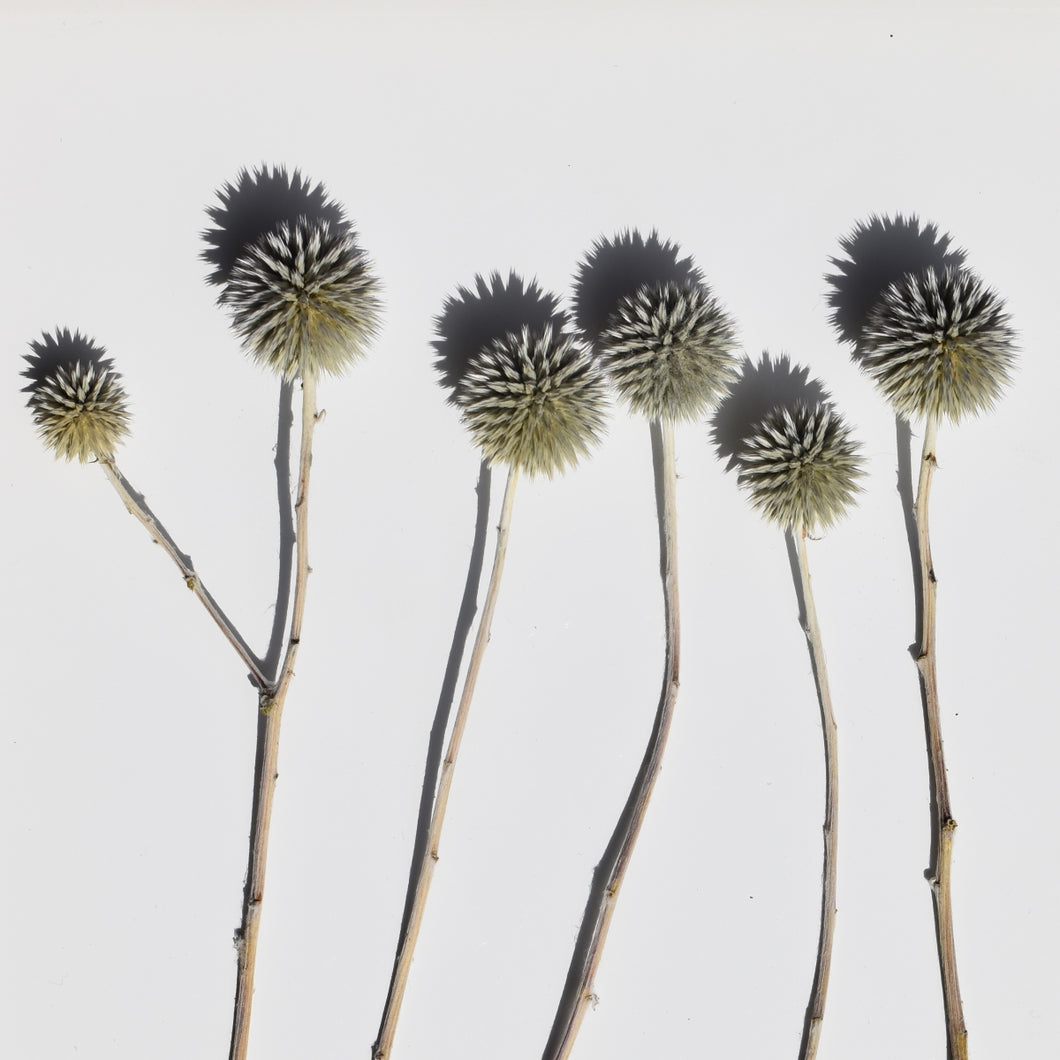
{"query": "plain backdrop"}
{"type": "Point", "coordinates": [464, 138]}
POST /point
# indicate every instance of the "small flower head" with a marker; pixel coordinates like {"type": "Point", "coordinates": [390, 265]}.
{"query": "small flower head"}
{"type": "Point", "coordinates": [533, 399]}
{"type": "Point", "coordinates": [800, 466]}
{"type": "Point", "coordinates": [669, 349]}
{"type": "Point", "coordinates": [303, 298]}
{"type": "Point", "coordinates": [939, 343]}
{"type": "Point", "coordinates": [78, 404]}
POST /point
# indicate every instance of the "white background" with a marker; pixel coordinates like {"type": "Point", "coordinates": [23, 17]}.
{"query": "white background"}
{"type": "Point", "coordinates": [464, 138]}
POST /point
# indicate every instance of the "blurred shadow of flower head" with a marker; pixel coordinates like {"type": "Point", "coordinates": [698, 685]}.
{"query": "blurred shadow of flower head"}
{"type": "Point", "coordinates": [301, 293]}
{"type": "Point", "coordinates": [879, 252]}
{"type": "Point", "coordinates": [615, 269]}
{"type": "Point", "coordinates": [939, 343]}
{"type": "Point", "coordinates": [534, 400]}
{"type": "Point", "coordinates": [663, 338]}
{"type": "Point", "coordinates": [759, 388]}
{"type": "Point", "coordinates": [471, 320]}
{"type": "Point", "coordinates": [800, 466]}
{"type": "Point", "coordinates": [254, 205]}
{"type": "Point", "coordinates": [76, 398]}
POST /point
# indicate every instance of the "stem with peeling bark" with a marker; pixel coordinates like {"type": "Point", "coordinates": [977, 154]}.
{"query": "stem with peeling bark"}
{"type": "Point", "coordinates": [381, 1050]}
{"type": "Point", "coordinates": [944, 825]}
{"type": "Point", "coordinates": [272, 702]}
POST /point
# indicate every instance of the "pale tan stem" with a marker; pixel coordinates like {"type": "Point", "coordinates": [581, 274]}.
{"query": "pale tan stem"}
{"type": "Point", "coordinates": [944, 824]}
{"type": "Point", "coordinates": [565, 1029]}
{"type": "Point", "coordinates": [392, 1011]}
{"type": "Point", "coordinates": [134, 503]}
{"type": "Point", "coordinates": [265, 780]}
{"type": "Point", "coordinates": [812, 629]}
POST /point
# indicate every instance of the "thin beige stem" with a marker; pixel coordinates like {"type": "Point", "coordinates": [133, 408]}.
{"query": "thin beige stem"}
{"type": "Point", "coordinates": [269, 747]}
{"type": "Point", "coordinates": [392, 1011]}
{"type": "Point", "coordinates": [812, 629]}
{"type": "Point", "coordinates": [944, 825]}
{"type": "Point", "coordinates": [570, 1015]}
{"type": "Point", "coordinates": [134, 503]}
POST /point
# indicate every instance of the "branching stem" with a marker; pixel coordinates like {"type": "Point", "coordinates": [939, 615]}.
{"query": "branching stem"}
{"type": "Point", "coordinates": [944, 824]}
{"type": "Point", "coordinates": [272, 702]}
{"type": "Point", "coordinates": [134, 502]}
{"type": "Point", "coordinates": [381, 1050]}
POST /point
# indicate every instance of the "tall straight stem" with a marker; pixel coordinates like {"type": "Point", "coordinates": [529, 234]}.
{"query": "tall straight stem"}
{"type": "Point", "coordinates": [812, 629]}
{"type": "Point", "coordinates": [135, 505]}
{"type": "Point", "coordinates": [944, 826]}
{"type": "Point", "coordinates": [381, 1050]}
{"type": "Point", "coordinates": [269, 746]}
{"type": "Point", "coordinates": [578, 992]}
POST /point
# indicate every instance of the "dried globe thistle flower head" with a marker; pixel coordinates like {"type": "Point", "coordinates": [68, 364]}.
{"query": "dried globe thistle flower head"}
{"type": "Point", "coordinates": [801, 466]}
{"type": "Point", "coordinates": [877, 253]}
{"type": "Point", "coordinates": [78, 404]}
{"type": "Point", "coordinates": [534, 400]}
{"type": "Point", "coordinates": [303, 298]}
{"type": "Point", "coordinates": [669, 349]}
{"type": "Point", "coordinates": [939, 344]}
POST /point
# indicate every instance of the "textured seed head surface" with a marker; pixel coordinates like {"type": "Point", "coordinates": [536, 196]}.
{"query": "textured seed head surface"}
{"type": "Point", "coordinates": [939, 344]}
{"type": "Point", "coordinates": [78, 403]}
{"type": "Point", "coordinates": [800, 466]}
{"type": "Point", "coordinates": [534, 400]}
{"type": "Point", "coordinates": [669, 350]}
{"type": "Point", "coordinates": [303, 299]}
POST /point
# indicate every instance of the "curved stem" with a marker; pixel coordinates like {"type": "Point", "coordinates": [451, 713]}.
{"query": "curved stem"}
{"type": "Point", "coordinates": [391, 1012]}
{"type": "Point", "coordinates": [272, 702]}
{"type": "Point", "coordinates": [812, 629]}
{"type": "Point", "coordinates": [134, 503]}
{"type": "Point", "coordinates": [944, 825]}
{"type": "Point", "coordinates": [578, 992]}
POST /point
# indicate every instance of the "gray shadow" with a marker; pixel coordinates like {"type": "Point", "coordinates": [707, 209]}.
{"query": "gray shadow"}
{"type": "Point", "coordinates": [877, 253]}
{"type": "Point", "coordinates": [436, 742]}
{"type": "Point", "coordinates": [617, 268]}
{"type": "Point", "coordinates": [759, 389]}
{"type": "Point", "coordinates": [255, 203]}
{"type": "Point", "coordinates": [472, 319]}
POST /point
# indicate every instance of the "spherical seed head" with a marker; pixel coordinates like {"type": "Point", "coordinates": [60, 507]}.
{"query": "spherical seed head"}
{"type": "Point", "coordinates": [669, 349]}
{"type": "Point", "coordinates": [801, 466]}
{"type": "Point", "coordinates": [78, 404]}
{"type": "Point", "coordinates": [939, 344]}
{"type": "Point", "coordinates": [534, 400]}
{"type": "Point", "coordinates": [303, 298]}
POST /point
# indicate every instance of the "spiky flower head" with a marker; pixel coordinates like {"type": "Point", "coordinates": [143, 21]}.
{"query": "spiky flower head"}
{"type": "Point", "coordinates": [800, 466]}
{"type": "Point", "coordinates": [669, 349]}
{"type": "Point", "coordinates": [939, 343]}
{"type": "Point", "coordinates": [533, 399]}
{"type": "Point", "coordinates": [303, 298]}
{"type": "Point", "coordinates": [78, 404]}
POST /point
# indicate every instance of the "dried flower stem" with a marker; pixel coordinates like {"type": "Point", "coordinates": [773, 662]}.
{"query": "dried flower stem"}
{"type": "Point", "coordinates": [272, 703]}
{"type": "Point", "coordinates": [579, 994]}
{"type": "Point", "coordinates": [388, 1027]}
{"type": "Point", "coordinates": [134, 503]}
{"type": "Point", "coordinates": [944, 824]}
{"type": "Point", "coordinates": [812, 629]}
